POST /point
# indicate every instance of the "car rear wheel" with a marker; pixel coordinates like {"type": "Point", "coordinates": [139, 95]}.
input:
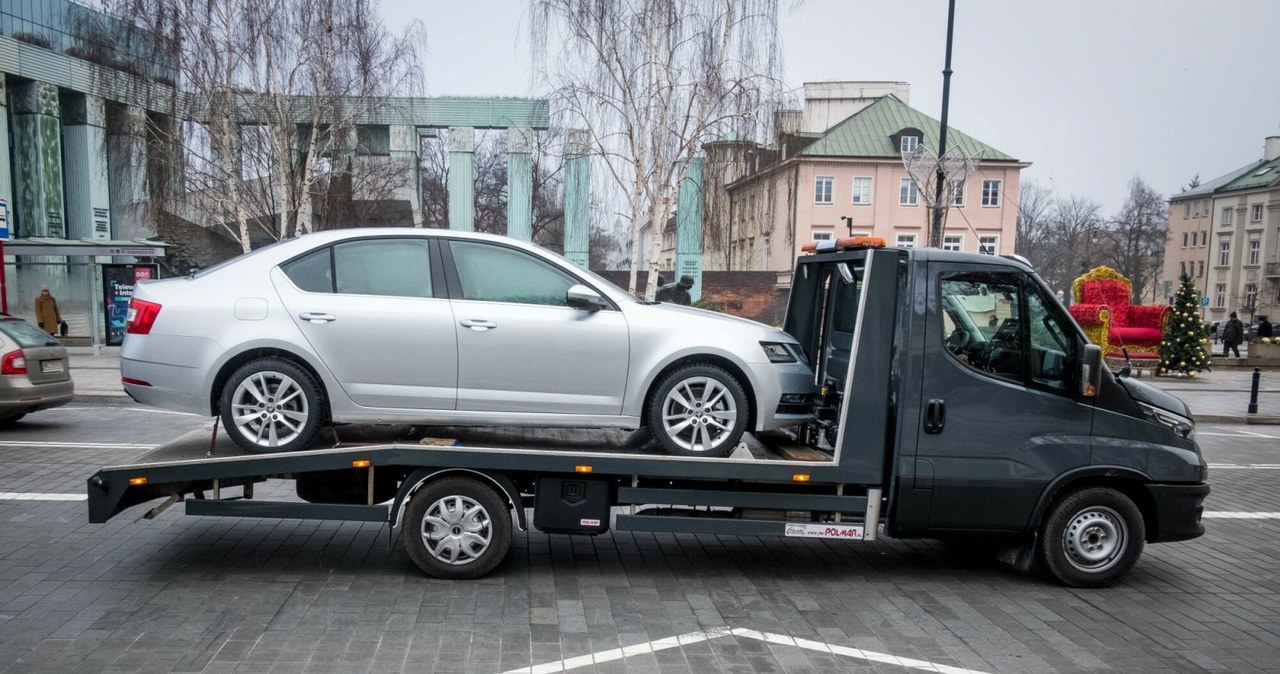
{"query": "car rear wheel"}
{"type": "Point", "coordinates": [698, 410]}
{"type": "Point", "coordinates": [8, 422]}
{"type": "Point", "coordinates": [271, 405]}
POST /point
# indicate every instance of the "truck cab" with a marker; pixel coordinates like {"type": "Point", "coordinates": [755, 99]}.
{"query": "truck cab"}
{"type": "Point", "coordinates": [1001, 420]}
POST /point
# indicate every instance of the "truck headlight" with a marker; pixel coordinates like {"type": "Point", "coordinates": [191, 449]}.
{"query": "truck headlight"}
{"type": "Point", "coordinates": [1182, 426]}
{"type": "Point", "coordinates": [778, 352]}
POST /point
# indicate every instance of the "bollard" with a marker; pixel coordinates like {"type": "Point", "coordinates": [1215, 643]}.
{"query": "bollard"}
{"type": "Point", "coordinates": [1253, 391]}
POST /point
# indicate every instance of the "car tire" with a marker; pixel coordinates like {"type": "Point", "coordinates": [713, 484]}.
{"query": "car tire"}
{"type": "Point", "coordinates": [698, 410]}
{"type": "Point", "coordinates": [457, 528]}
{"type": "Point", "coordinates": [8, 422]}
{"type": "Point", "coordinates": [1091, 537]}
{"type": "Point", "coordinates": [254, 416]}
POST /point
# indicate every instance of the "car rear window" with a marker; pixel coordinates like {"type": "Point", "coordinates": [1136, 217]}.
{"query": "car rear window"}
{"type": "Point", "coordinates": [26, 334]}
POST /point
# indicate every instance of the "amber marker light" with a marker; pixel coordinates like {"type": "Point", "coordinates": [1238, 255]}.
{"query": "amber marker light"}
{"type": "Point", "coordinates": [800, 477]}
{"type": "Point", "coordinates": [137, 481]}
{"type": "Point", "coordinates": [582, 469]}
{"type": "Point", "coordinates": [360, 463]}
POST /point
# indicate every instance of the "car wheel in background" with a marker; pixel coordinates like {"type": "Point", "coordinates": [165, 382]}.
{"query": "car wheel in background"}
{"type": "Point", "coordinates": [698, 410]}
{"type": "Point", "coordinates": [271, 405]}
{"type": "Point", "coordinates": [8, 422]}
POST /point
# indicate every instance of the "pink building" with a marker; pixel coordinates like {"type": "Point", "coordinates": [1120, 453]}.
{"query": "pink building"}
{"type": "Point", "coordinates": [802, 189]}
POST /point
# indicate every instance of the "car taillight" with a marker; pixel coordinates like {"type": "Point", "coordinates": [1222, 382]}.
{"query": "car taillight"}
{"type": "Point", "coordinates": [142, 315]}
{"type": "Point", "coordinates": [13, 363]}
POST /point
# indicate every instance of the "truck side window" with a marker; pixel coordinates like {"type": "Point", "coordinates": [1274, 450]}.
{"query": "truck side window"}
{"type": "Point", "coordinates": [1051, 349]}
{"type": "Point", "coordinates": [982, 322]}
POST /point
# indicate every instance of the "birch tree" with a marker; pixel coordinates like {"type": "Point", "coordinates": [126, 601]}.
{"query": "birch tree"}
{"type": "Point", "coordinates": [652, 81]}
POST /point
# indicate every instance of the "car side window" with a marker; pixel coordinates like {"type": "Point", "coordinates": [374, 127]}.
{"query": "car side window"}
{"type": "Point", "coordinates": [982, 322]}
{"type": "Point", "coordinates": [312, 272]}
{"type": "Point", "coordinates": [492, 273]}
{"type": "Point", "coordinates": [397, 267]}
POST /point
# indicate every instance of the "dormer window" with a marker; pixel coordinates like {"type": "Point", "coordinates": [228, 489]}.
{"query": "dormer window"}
{"type": "Point", "coordinates": [908, 143]}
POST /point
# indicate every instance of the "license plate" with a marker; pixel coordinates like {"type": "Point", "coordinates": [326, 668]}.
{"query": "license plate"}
{"type": "Point", "coordinates": [47, 366]}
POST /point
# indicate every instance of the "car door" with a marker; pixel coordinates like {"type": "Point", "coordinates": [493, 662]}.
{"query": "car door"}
{"type": "Point", "coordinates": [369, 308]}
{"type": "Point", "coordinates": [1000, 415]}
{"type": "Point", "coordinates": [521, 348]}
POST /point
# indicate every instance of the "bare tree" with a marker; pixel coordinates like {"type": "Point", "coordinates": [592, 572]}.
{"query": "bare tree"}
{"type": "Point", "coordinates": [653, 80]}
{"type": "Point", "coordinates": [1035, 226]}
{"type": "Point", "coordinates": [1137, 236]}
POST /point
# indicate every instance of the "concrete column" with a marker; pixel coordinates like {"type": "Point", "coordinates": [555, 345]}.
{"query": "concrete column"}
{"type": "Point", "coordinates": [84, 137]}
{"type": "Point", "coordinates": [577, 197]}
{"type": "Point", "coordinates": [37, 137]}
{"type": "Point", "coordinates": [127, 156]}
{"type": "Point", "coordinates": [6, 178]}
{"type": "Point", "coordinates": [405, 149]}
{"type": "Point", "coordinates": [462, 178]}
{"type": "Point", "coordinates": [689, 227]}
{"type": "Point", "coordinates": [520, 183]}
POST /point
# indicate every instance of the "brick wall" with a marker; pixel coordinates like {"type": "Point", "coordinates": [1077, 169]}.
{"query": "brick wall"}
{"type": "Point", "coordinates": [747, 294]}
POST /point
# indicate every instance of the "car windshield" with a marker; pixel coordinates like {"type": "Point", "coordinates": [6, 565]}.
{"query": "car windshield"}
{"type": "Point", "coordinates": [26, 335]}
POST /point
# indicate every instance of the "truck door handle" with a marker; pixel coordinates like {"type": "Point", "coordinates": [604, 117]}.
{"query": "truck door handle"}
{"type": "Point", "coordinates": [935, 416]}
{"type": "Point", "coordinates": [478, 325]}
{"type": "Point", "coordinates": [316, 317]}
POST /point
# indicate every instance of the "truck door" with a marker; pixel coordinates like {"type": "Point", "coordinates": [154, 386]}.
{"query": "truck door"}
{"type": "Point", "coordinates": [999, 413]}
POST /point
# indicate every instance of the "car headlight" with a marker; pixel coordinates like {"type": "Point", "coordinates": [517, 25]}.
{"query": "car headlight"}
{"type": "Point", "coordinates": [1182, 426]}
{"type": "Point", "coordinates": [778, 352]}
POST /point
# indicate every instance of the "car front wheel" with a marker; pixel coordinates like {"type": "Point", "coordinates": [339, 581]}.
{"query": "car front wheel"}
{"type": "Point", "coordinates": [698, 410]}
{"type": "Point", "coordinates": [271, 405]}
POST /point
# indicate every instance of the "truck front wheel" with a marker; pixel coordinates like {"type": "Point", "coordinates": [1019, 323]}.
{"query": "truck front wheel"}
{"type": "Point", "coordinates": [457, 528]}
{"type": "Point", "coordinates": [1091, 537]}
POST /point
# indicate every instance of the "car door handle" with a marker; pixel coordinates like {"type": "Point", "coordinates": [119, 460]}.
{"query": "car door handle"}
{"type": "Point", "coordinates": [317, 318]}
{"type": "Point", "coordinates": [935, 416]}
{"type": "Point", "coordinates": [478, 325]}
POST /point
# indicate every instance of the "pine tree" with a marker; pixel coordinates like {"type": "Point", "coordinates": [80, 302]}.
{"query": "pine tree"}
{"type": "Point", "coordinates": [1182, 350]}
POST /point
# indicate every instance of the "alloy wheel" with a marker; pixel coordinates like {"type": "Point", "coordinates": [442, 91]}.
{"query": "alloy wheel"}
{"type": "Point", "coordinates": [269, 408]}
{"type": "Point", "coordinates": [699, 414]}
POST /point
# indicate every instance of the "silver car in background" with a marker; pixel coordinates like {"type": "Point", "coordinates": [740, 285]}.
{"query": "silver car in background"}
{"type": "Point", "coordinates": [34, 374]}
{"type": "Point", "coordinates": [445, 327]}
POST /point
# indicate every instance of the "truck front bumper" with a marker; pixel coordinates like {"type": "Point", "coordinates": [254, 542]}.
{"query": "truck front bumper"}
{"type": "Point", "coordinates": [1178, 508]}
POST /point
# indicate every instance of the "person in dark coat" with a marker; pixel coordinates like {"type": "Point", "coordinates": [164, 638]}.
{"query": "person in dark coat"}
{"type": "Point", "coordinates": [678, 292]}
{"type": "Point", "coordinates": [47, 315]}
{"type": "Point", "coordinates": [1232, 335]}
{"type": "Point", "coordinates": [1264, 327]}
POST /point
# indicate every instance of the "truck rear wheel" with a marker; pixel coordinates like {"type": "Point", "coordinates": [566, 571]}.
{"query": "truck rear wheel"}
{"type": "Point", "coordinates": [1091, 537]}
{"type": "Point", "coordinates": [698, 410]}
{"type": "Point", "coordinates": [457, 528]}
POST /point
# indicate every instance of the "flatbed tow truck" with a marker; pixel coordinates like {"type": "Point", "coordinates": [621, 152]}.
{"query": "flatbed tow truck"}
{"type": "Point", "coordinates": [955, 399]}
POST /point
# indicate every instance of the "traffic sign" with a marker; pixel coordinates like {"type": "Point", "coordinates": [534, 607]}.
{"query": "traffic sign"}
{"type": "Point", "coordinates": [1204, 301]}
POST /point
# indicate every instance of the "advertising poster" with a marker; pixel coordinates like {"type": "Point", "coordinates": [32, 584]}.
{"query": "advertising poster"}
{"type": "Point", "coordinates": [118, 281]}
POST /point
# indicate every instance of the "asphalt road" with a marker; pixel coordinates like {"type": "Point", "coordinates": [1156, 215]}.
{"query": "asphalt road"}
{"type": "Point", "coordinates": [219, 595]}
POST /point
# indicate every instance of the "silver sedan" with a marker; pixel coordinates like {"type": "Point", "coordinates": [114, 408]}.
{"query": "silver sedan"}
{"type": "Point", "coordinates": [444, 327]}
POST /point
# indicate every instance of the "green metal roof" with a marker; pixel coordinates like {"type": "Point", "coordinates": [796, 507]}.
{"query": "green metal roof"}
{"type": "Point", "coordinates": [1262, 174]}
{"type": "Point", "coordinates": [1210, 186]}
{"type": "Point", "coordinates": [867, 134]}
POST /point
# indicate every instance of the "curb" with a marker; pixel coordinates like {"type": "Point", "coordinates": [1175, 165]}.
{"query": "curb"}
{"type": "Point", "coordinates": [103, 399]}
{"type": "Point", "coordinates": [1251, 419]}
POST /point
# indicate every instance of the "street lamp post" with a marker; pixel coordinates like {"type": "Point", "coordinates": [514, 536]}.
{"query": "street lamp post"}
{"type": "Point", "coordinates": [939, 209]}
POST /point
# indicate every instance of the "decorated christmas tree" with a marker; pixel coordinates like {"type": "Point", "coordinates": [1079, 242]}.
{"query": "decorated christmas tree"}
{"type": "Point", "coordinates": [1182, 349]}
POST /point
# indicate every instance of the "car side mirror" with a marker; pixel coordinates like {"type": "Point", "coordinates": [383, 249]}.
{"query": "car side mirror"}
{"type": "Point", "coordinates": [584, 298]}
{"type": "Point", "coordinates": [1090, 370]}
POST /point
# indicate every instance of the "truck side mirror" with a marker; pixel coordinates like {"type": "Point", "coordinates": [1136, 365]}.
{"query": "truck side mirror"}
{"type": "Point", "coordinates": [1090, 370]}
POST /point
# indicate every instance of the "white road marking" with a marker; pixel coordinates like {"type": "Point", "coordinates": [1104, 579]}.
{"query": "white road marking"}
{"type": "Point", "coordinates": [33, 496]}
{"type": "Point", "coordinates": [155, 410]}
{"type": "Point", "coordinates": [74, 445]}
{"type": "Point", "coordinates": [1237, 515]}
{"type": "Point", "coordinates": [1244, 466]}
{"type": "Point", "coordinates": [1238, 434]}
{"type": "Point", "coordinates": [716, 633]}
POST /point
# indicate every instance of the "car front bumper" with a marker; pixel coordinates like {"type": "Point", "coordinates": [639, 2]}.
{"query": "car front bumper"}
{"type": "Point", "coordinates": [1178, 509]}
{"type": "Point", "coordinates": [774, 380]}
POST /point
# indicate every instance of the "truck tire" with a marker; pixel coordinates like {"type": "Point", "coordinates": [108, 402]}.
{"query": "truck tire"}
{"type": "Point", "coordinates": [271, 405]}
{"type": "Point", "coordinates": [1091, 537]}
{"type": "Point", "coordinates": [457, 528]}
{"type": "Point", "coordinates": [698, 410]}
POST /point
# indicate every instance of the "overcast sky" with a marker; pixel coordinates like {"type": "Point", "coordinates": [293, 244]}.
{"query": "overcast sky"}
{"type": "Point", "coordinates": [1091, 92]}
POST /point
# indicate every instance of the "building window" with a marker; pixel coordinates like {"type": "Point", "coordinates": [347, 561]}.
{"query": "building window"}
{"type": "Point", "coordinates": [1186, 210]}
{"type": "Point", "coordinates": [988, 245]}
{"type": "Point", "coordinates": [1200, 269]}
{"type": "Point", "coordinates": [1195, 210]}
{"type": "Point", "coordinates": [822, 236]}
{"type": "Point", "coordinates": [1182, 269]}
{"type": "Point", "coordinates": [1184, 239]}
{"type": "Point", "coordinates": [990, 193]}
{"type": "Point", "coordinates": [1255, 251]}
{"type": "Point", "coordinates": [861, 190]}
{"type": "Point", "coordinates": [953, 242]}
{"type": "Point", "coordinates": [908, 194]}
{"type": "Point", "coordinates": [1168, 292]}
{"type": "Point", "coordinates": [822, 189]}
{"type": "Point", "coordinates": [957, 193]}
{"type": "Point", "coordinates": [1224, 253]}
{"type": "Point", "coordinates": [1250, 296]}
{"type": "Point", "coordinates": [908, 143]}
{"type": "Point", "coordinates": [1257, 213]}
{"type": "Point", "coordinates": [1220, 297]}
{"type": "Point", "coordinates": [1226, 215]}
{"type": "Point", "coordinates": [906, 240]}
{"type": "Point", "coordinates": [1204, 238]}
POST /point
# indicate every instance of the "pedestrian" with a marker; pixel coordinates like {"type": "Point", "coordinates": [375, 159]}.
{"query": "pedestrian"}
{"type": "Point", "coordinates": [1232, 335]}
{"type": "Point", "coordinates": [1264, 327]}
{"type": "Point", "coordinates": [47, 315]}
{"type": "Point", "coordinates": [678, 292]}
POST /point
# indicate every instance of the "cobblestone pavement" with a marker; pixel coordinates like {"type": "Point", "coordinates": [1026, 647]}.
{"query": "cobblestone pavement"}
{"type": "Point", "coordinates": [195, 594]}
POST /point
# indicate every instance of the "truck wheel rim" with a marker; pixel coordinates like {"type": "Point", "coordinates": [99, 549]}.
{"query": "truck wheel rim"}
{"type": "Point", "coordinates": [1095, 539]}
{"type": "Point", "coordinates": [456, 530]}
{"type": "Point", "coordinates": [699, 413]}
{"type": "Point", "coordinates": [269, 408]}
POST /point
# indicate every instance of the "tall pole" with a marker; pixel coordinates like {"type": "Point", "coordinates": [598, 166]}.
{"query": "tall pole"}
{"type": "Point", "coordinates": [940, 206]}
